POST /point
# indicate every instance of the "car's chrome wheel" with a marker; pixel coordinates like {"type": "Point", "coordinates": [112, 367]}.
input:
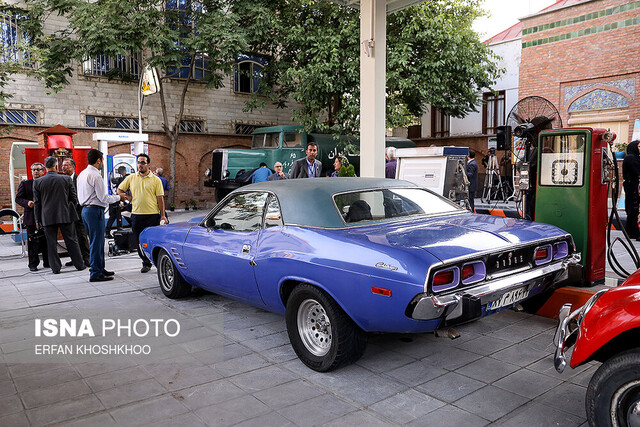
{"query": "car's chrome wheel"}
{"type": "Point", "coordinates": [613, 394]}
{"type": "Point", "coordinates": [171, 281]}
{"type": "Point", "coordinates": [321, 333]}
{"type": "Point", "coordinates": [314, 327]}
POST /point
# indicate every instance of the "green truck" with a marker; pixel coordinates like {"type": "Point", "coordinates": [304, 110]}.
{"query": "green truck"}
{"type": "Point", "coordinates": [233, 168]}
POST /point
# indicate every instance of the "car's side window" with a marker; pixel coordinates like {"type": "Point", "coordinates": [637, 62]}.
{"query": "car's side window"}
{"type": "Point", "coordinates": [273, 217]}
{"type": "Point", "coordinates": [241, 213]}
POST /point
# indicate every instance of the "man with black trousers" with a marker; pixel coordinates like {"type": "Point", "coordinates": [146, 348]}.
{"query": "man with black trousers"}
{"type": "Point", "coordinates": [35, 240]}
{"type": "Point", "coordinates": [69, 169]}
{"type": "Point", "coordinates": [54, 198]}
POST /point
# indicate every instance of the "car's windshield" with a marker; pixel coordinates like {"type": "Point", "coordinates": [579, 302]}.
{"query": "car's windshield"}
{"type": "Point", "coordinates": [376, 205]}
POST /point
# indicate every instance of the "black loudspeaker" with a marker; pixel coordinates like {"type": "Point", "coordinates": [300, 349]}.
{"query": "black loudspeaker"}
{"type": "Point", "coordinates": [503, 137]}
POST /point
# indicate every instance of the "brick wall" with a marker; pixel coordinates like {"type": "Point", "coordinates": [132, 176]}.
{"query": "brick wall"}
{"type": "Point", "coordinates": [596, 59]}
{"type": "Point", "coordinates": [193, 157]}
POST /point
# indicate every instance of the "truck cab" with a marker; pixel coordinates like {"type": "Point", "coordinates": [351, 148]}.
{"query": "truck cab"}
{"type": "Point", "coordinates": [233, 168]}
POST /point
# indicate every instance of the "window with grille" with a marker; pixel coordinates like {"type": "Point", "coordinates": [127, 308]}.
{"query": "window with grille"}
{"type": "Point", "coordinates": [12, 38]}
{"type": "Point", "coordinates": [186, 10]}
{"type": "Point", "coordinates": [119, 66]}
{"type": "Point", "coordinates": [111, 122]}
{"type": "Point", "coordinates": [191, 126]}
{"type": "Point", "coordinates": [249, 73]}
{"type": "Point", "coordinates": [242, 129]}
{"type": "Point", "coordinates": [28, 117]}
{"type": "Point", "coordinates": [492, 111]}
{"type": "Point", "coordinates": [439, 123]}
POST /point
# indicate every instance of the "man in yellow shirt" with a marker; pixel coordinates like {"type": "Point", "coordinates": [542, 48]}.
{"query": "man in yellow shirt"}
{"type": "Point", "coordinates": [146, 199]}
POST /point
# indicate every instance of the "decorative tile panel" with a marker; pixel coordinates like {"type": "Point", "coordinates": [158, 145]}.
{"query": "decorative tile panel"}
{"type": "Point", "coordinates": [599, 99]}
{"type": "Point", "coordinates": [626, 85]}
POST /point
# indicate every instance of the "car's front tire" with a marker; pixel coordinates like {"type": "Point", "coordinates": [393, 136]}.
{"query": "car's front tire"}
{"type": "Point", "coordinates": [321, 333]}
{"type": "Point", "coordinates": [613, 395]}
{"type": "Point", "coordinates": [171, 281]}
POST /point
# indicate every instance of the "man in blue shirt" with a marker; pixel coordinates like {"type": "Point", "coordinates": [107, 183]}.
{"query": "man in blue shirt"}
{"type": "Point", "coordinates": [261, 174]}
{"type": "Point", "coordinates": [165, 181]}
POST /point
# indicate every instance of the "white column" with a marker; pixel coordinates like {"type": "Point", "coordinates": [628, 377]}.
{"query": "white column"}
{"type": "Point", "coordinates": [373, 21]}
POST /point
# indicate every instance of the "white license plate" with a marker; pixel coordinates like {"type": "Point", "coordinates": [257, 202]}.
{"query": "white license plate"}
{"type": "Point", "coordinates": [509, 298]}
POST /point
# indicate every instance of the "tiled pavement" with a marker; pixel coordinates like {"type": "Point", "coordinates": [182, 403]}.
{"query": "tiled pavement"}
{"type": "Point", "coordinates": [231, 364]}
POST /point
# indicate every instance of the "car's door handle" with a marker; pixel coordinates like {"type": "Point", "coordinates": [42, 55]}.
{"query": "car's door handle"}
{"type": "Point", "coordinates": [246, 249]}
{"type": "Point", "coordinates": [252, 263]}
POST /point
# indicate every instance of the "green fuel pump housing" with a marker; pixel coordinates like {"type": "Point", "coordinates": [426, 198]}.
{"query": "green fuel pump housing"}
{"type": "Point", "coordinates": [571, 192]}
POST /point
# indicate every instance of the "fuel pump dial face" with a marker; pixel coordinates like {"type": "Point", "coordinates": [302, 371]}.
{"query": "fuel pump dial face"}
{"type": "Point", "coordinates": [564, 172]}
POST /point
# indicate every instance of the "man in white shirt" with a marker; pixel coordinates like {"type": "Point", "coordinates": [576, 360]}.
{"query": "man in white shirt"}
{"type": "Point", "coordinates": [93, 196]}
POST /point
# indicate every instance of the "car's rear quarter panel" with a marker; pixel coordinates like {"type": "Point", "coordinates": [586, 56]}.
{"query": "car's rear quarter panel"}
{"type": "Point", "coordinates": [346, 269]}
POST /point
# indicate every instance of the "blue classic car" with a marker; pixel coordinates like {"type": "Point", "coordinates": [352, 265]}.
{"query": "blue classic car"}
{"type": "Point", "coordinates": [342, 257]}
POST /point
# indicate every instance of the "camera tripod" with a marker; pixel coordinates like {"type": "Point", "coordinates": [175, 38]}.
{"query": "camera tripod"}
{"type": "Point", "coordinates": [494, 187]}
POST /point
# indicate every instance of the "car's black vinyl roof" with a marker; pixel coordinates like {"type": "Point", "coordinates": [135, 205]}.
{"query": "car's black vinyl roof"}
{"type": "Point", "coordinates": [309, 201]}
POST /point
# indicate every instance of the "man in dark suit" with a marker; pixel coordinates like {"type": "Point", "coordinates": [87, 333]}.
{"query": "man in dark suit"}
{"type": "Point", "coordinates": [55, 201]}
{"type": "Point", "coordinates": [308, 167]}
{"type": "Point", "coordinates": [472, 174]}
{"type": "Point", "coordinates": [35, 240]}
{"type": "Point", "coordinates": [69, 169]}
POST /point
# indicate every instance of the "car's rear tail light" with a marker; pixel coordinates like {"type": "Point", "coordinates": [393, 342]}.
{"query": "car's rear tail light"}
{"type": "Point", "coordinates": [445, 279]}
{"type": "Point", "coordinates": [543, 254]}
{"type": "Point", "coordinates": [473, 272]}
{"type": "Point", "coordinates": [560, 250]}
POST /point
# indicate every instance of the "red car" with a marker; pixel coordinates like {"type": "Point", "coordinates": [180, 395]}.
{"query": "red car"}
{"type": "Point", "coordinates": [606, 329]}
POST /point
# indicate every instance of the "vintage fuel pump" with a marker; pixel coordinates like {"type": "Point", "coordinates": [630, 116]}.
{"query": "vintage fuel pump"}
{"type": "Point", "coordinates": [571, 191]}
{"type": "Point", "coordinates": [58, 142]}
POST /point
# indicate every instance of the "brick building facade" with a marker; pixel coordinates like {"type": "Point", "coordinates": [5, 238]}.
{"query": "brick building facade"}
{"type": "Point", "coordinates": [213, 118]}
{"type": "Point", "coordinates": [583, 57]}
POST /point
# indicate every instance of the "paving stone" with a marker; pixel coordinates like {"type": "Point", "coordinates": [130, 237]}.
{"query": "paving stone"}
{"type": "Point", "coordinates": [63, 411]}
{"type": "Point", "coordinates": [485, 345]}
{"type": "Point", "coordinates": [280, 354]}
{"type": "Point", "coordinates": [406, 406]}
{"type": "Point", "coordinates": [271, 419]}
{"type": "Point", "coordinates": [450, 387]}
{"type": "Point", "coordinates": [232, 411]}
{"type": "Point", "coordinates": [239, 365]}
{"type": "Point", "coordinates": [46, 378]}
{"type": "Point", "coordinates": [451, 358]}
{"type": "Point", "coordinates": [536, 415]}
{"type": "Point", "coordinates": [487, 370]}
{"type": "Point", "coordinates": [357, 384]}
{"type": "Point", "coordinates": [10, 404]}
{"type": "Point", "coordinates": [16, 419]}
{"type": "Point", "coordinates": [491, 402]}
{"type": "Point", "coordinates": [262, 378]}
{"type": "Point", "coordinates": [208, 394]}
{"type": "Point", "coordinates": [288, 394]}
{"type": "Point", "coordinates": [175, 376]}
{"type": "Point", "coordinates": [358, 418]}
{"type": "Point", "coordinates": [449, 416]}
{"type": "Point", "coordinates": [521, 355]}
{"type": "Point", "coordinates": [416, 373]}
{"type": "Point", "coordinates": [527, 383]}
{"type": "Point", "coordinates": [92, 420]}
{"type": "Point", "coordinates": [378, 360]}
{"type": "Point", "coordinates": [113, 379]}
{"type": "Point", "coordinates": [149, 411]}
{"type": "Point", "coordinates": [7, 387]}
{"type": "Point", "coordinates": [566, 397]}
{"type": "Point", "coordinates": [267, 342]}
{"type": "Point", "coordinates": [128, 393]}
{"type": "Point", "coordinates": [57, 393]}
{"type": "Point", "coordinates": [318, 410]}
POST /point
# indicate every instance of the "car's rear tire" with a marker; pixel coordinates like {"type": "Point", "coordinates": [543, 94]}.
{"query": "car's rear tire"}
{"type": "Point", "coordinates": [320, 332]}
{"type": "Point", "coordinates": [171, 281]}
{"type": "Point", "coordinates": [613, 394]}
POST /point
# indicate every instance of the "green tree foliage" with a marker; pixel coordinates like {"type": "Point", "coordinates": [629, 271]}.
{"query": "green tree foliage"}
{"type": "Point", "coordinates": [171, 35]}
{"type": "Point", "coordinates": [433, 58]}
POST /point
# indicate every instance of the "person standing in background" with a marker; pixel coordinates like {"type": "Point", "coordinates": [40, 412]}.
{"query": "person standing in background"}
{"type": "Point", "coordinates": [69, 169]}
{"type": "Point", "coordinates": [631, 176]}
{"type": "Point", "coordinates": [35, 241]}
{"type": "Point", "coordinates": [392, 162]}
{"type": "Point", "coordinates": [472, 175]}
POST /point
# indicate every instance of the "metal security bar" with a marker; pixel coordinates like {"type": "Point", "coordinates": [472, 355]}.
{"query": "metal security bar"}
{"type": "Point", "coordinates": [12, 38]}
{"type": "Point", "coordinates": [28, 117]}
{"type": "Point", "coordinates": [101, 65]}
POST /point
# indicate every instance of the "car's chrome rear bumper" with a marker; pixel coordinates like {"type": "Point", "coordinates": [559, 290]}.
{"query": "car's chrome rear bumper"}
{"type": "Point", "coordinates": [452, 306]}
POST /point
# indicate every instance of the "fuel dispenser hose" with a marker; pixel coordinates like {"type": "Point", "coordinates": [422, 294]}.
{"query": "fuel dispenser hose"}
{"type": "Point", "coordinates": [613, 187]}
